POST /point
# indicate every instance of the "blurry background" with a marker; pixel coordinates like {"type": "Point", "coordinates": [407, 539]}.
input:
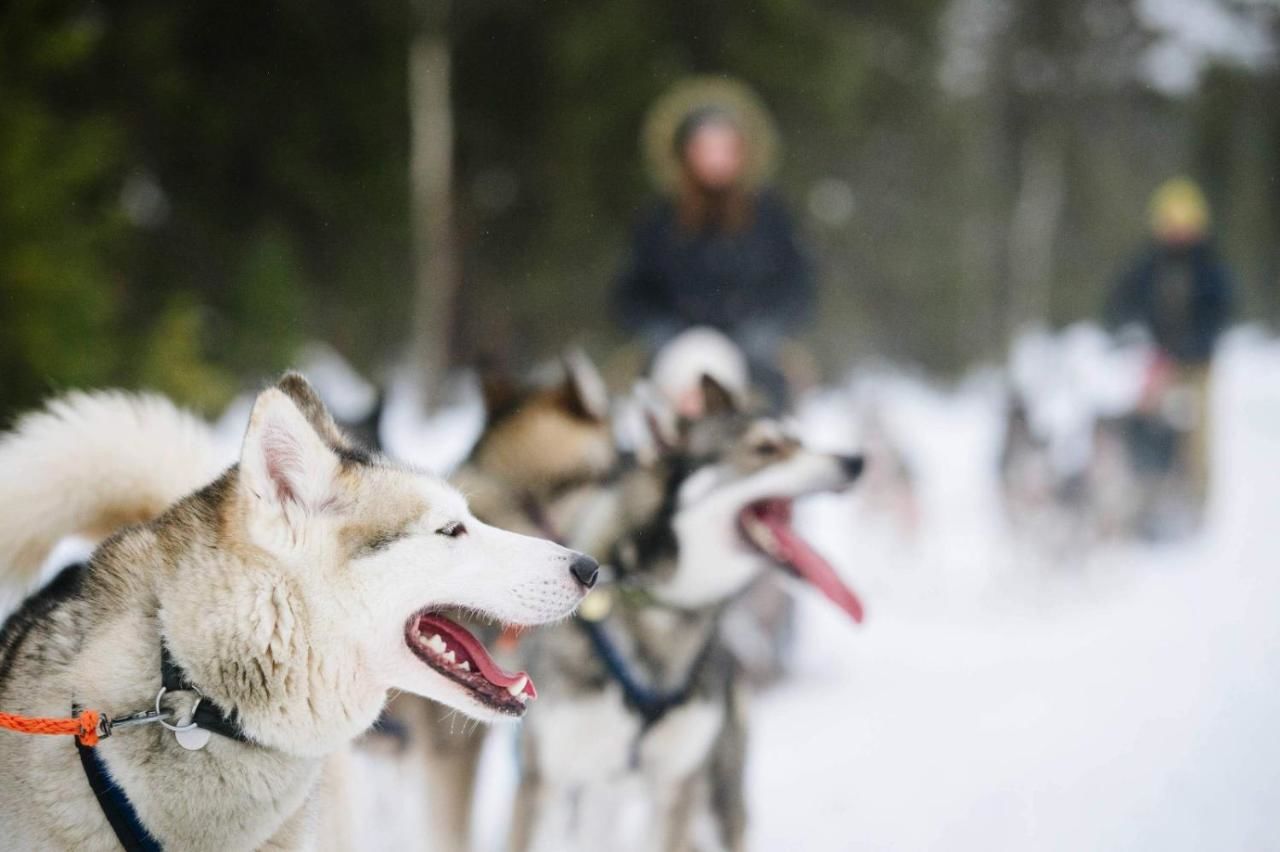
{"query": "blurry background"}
{"type": "Point", "coordinates": [189, 191]}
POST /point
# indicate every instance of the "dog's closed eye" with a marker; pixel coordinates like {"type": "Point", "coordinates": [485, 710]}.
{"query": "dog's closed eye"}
{"type": "Point", "coordinates": [453, 529]}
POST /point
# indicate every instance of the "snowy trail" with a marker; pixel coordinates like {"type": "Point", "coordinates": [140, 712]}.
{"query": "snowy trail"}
{"type": "Point", "coordinates": [1130, 706]}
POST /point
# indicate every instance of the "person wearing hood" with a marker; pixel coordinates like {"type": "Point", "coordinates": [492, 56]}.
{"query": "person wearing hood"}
{"type": "Point", "coordinates": [720, 249]}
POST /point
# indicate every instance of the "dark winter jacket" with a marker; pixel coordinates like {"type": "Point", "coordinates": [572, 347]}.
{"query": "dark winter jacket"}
{"type": "Point", "coordinates": [753, 284]}
{"type": "Point", "coordinates": [1181, 295]}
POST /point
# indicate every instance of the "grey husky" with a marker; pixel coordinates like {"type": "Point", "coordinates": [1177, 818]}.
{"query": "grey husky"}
{"type": "Point", "coordinates": [265, 614]}
{"type": "Point", "coordinates": [639, 742]}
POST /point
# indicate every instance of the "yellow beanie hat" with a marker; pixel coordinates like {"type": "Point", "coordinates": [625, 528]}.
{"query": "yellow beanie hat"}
{"type": "Point", "coordinates": [1178, 206]}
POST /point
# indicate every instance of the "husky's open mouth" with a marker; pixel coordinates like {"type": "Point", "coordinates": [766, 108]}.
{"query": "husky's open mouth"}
{"type": "Point", "coordinates": [766, 526]}
{"type": "Point", "coordinates": [454, 652]}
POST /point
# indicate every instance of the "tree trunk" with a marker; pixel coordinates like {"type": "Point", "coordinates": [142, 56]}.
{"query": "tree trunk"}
{"type": "Point", "coordinates": [431, 190]}
{"type": "Point", "coordinates": [1033, 226]}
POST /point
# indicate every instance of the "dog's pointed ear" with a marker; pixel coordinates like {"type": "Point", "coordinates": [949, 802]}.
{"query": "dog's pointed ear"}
{"type": "Point", "coordinates": [585, 390]}
{"type": "Point", "coordinates": [284, 460]}
{"type": "Point", "coordinates": [304, 396]}
{"type": "Point", "coordinates": [716, 398]}
{"type": "Point", "coordinates": [661, 433]}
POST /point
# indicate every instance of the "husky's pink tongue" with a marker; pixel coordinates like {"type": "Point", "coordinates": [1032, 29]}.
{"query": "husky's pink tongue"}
{"type": "Point", "coordinates": [796, 553]}
{"type": "Point", "coordinates": [459, 638]}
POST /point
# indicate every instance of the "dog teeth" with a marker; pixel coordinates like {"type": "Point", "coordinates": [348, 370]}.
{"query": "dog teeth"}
{"type": "Point", "coordinates": [450, 657]}
{"type": "Point", "coordinates": [517, 689]}
{"type": "Point", "coordinates": [524, 697]}
{"type": "Point", "coordinates": [464, 666]}
{"type": "Point", "coordinates": [435, 643]}
{"type": "Point", "coordinates": [763, 536]}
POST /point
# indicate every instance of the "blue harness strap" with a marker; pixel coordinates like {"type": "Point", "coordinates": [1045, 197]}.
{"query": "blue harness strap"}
{"type": "Point", "coordinates": [651, 704]}
{"type": "Point", "coordinates": [116, 807]}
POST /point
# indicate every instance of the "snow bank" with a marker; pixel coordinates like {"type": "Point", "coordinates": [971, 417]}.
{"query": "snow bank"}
{"type": "Point", "coordinates": [986, 705]}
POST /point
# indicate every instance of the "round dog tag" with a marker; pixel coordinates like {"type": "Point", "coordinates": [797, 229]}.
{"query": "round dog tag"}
{"type": "Point", "coordinates": [193, 739]}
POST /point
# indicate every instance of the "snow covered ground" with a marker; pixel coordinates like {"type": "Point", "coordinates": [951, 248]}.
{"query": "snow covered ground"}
{"type": "Point", "coordinates": [1124, 703]}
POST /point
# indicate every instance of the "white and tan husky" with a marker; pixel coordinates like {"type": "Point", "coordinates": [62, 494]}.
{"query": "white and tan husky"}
{"type": "Point", "coordinates": [291, 593]}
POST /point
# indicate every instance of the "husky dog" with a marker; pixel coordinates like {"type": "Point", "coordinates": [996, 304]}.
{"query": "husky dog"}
{"type": "Point", "coordinates": [277, 604]}
{"type": "Point", "coordinates": [641, 699]}
{"type": "Point", "coordinates": [546, 447]}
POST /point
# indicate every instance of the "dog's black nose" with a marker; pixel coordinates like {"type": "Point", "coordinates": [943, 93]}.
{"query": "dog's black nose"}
{"type": "Point", "coordinates": [853, 465]}
{"type": "Point", "coordinates": [585, 570]}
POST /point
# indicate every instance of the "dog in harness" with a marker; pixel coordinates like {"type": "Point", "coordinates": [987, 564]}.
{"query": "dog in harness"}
{"type": "Point", "coordinates": [640, 741]}
{"type": "Point", "coordinates": [211, 658]}
{"type": "Point", "coordinates": [546, 451]}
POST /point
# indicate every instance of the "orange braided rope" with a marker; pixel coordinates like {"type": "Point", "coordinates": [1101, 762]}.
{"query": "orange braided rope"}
{"type": "Point", "coordinates": [83, 726]}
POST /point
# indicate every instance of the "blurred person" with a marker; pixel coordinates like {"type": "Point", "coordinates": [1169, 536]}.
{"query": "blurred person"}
{"type": "Point", "coordinates": [719, 249]}
{"type": "Point", "coordinates": [1179, 291]}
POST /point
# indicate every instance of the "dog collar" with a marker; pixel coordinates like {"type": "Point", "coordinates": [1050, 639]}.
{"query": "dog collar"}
{"type": "Point", "coordinates": [206, 716]}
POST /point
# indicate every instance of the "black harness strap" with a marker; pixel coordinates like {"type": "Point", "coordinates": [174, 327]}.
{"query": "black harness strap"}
{"type": "Point", "coordinates": [207, 715]}
{"type": "Point", "coordinates": [116, 807]}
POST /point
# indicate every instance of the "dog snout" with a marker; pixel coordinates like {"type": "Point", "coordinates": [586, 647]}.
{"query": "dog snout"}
{"type": "Point", "coordinates": [585, 570]}
{"type": "Point", "coordinates": [853, 465]}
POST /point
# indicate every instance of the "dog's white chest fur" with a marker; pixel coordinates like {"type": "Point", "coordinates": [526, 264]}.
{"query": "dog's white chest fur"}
{"type": "Point", "coordinates": [596, 753]}
{"type": "Point", "coordinates": [669, 750]}
{"type": "Point", "coordinates": [584, 740]}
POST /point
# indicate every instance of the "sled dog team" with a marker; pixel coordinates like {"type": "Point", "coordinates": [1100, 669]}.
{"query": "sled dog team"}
{"type": "Point", "coordinates": [237, 632]}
